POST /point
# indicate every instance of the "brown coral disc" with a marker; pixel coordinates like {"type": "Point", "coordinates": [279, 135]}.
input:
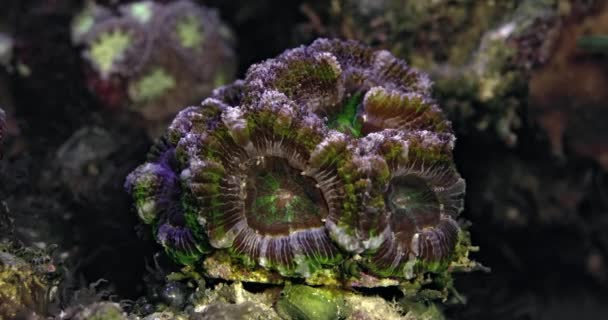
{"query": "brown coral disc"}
{"type": "Point", "coordinates": [284, 213]}
{"type": "Point", "coordinates": [421, 193]}
{"type": "Point", "coordinates": [429, 160]}
{"type": "Point", "coordinates": [391, 109]}
{"type": "Point", "coordinates": [259, 196]}
{"type": "Point", "coordinates": [411, 196]}
{"type": "Point", "coordinates": [278, 197]}
{"type": "Point", "coordinates": [416, 219]}
{"type": "Point", "coordinates": [436, 243]}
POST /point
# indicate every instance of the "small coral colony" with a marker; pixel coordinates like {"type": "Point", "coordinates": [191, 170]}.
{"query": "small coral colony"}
{"type": "Point", "coordinates": [329, 163]}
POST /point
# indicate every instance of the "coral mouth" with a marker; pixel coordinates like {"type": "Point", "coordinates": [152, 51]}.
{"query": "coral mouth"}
{"type": "Point", "coordinates": [411, 196]}
{"type": "Point", "coordinates": [279, 198]}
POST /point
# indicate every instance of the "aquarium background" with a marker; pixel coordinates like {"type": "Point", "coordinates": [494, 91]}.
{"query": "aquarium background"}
{"type": "Point", "coordinates": [523, 82]}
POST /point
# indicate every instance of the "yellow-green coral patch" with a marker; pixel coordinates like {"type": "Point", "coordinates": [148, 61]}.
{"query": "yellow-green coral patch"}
{"type": "Point", "coordinates": [189, 32]}
{"type": "Point", "coordinates": [141, 11]}
{"type": "Point", "coordinates": [108, 49]}
{"type": "Point", "coordinates": [152, 85]}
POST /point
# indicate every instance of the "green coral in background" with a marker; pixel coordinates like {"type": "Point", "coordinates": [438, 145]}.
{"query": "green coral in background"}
{"type": "Point", "coordinates": [152, 85]}
{"type": "Point", "coordinates": [142, 11]}
{"type": "Point", "coordinates": [108, 50]}
{"type": "Point", "coordinates": [154, 58]}
{"type": "Point", "coordinates": [189, 32]}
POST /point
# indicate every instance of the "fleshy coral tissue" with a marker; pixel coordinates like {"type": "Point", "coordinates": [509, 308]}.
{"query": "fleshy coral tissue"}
{"type": "Point", "coordinates": [330, 163]}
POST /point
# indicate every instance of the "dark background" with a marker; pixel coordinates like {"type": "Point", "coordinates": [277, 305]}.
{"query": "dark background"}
{"type": "Point", "coordinates": [548, 261]}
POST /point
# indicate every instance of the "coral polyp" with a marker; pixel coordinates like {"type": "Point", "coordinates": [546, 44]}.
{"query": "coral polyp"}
{"type": "Point", "coordinates": [422, 195]}
{"type": "Point", "coordinates": [328, 156]}
{"type": "Point", "coordinates": [258, 193]}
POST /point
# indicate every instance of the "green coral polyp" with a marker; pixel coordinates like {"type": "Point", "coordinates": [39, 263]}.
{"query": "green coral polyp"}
{"type": "Point", "coordinates": [152, 85]}
{"type": "Point", "coordinates": [141, 11]}
{"type": "Point", "coordinates": [329, 156]}
{"type": "Point", "coordinates": [108, 49]}
{"type": "Point", "coordinates": [275, 212]}
{"type": "Point", "coordinates": [189, 32]}
{"type": "Point", "coordinates": [281, 196]}
{"type": "Point", "coordinates": [410, 193]}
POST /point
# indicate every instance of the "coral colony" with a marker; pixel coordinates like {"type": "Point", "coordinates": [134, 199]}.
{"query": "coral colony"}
{"type": "Point", "coordinates": [154, 58]}
{"type": "Point", "coordinates": [329, 163]}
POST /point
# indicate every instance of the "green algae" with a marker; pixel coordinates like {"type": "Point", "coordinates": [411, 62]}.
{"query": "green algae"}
{"type": "Point", "coordinates": [299, 302]}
